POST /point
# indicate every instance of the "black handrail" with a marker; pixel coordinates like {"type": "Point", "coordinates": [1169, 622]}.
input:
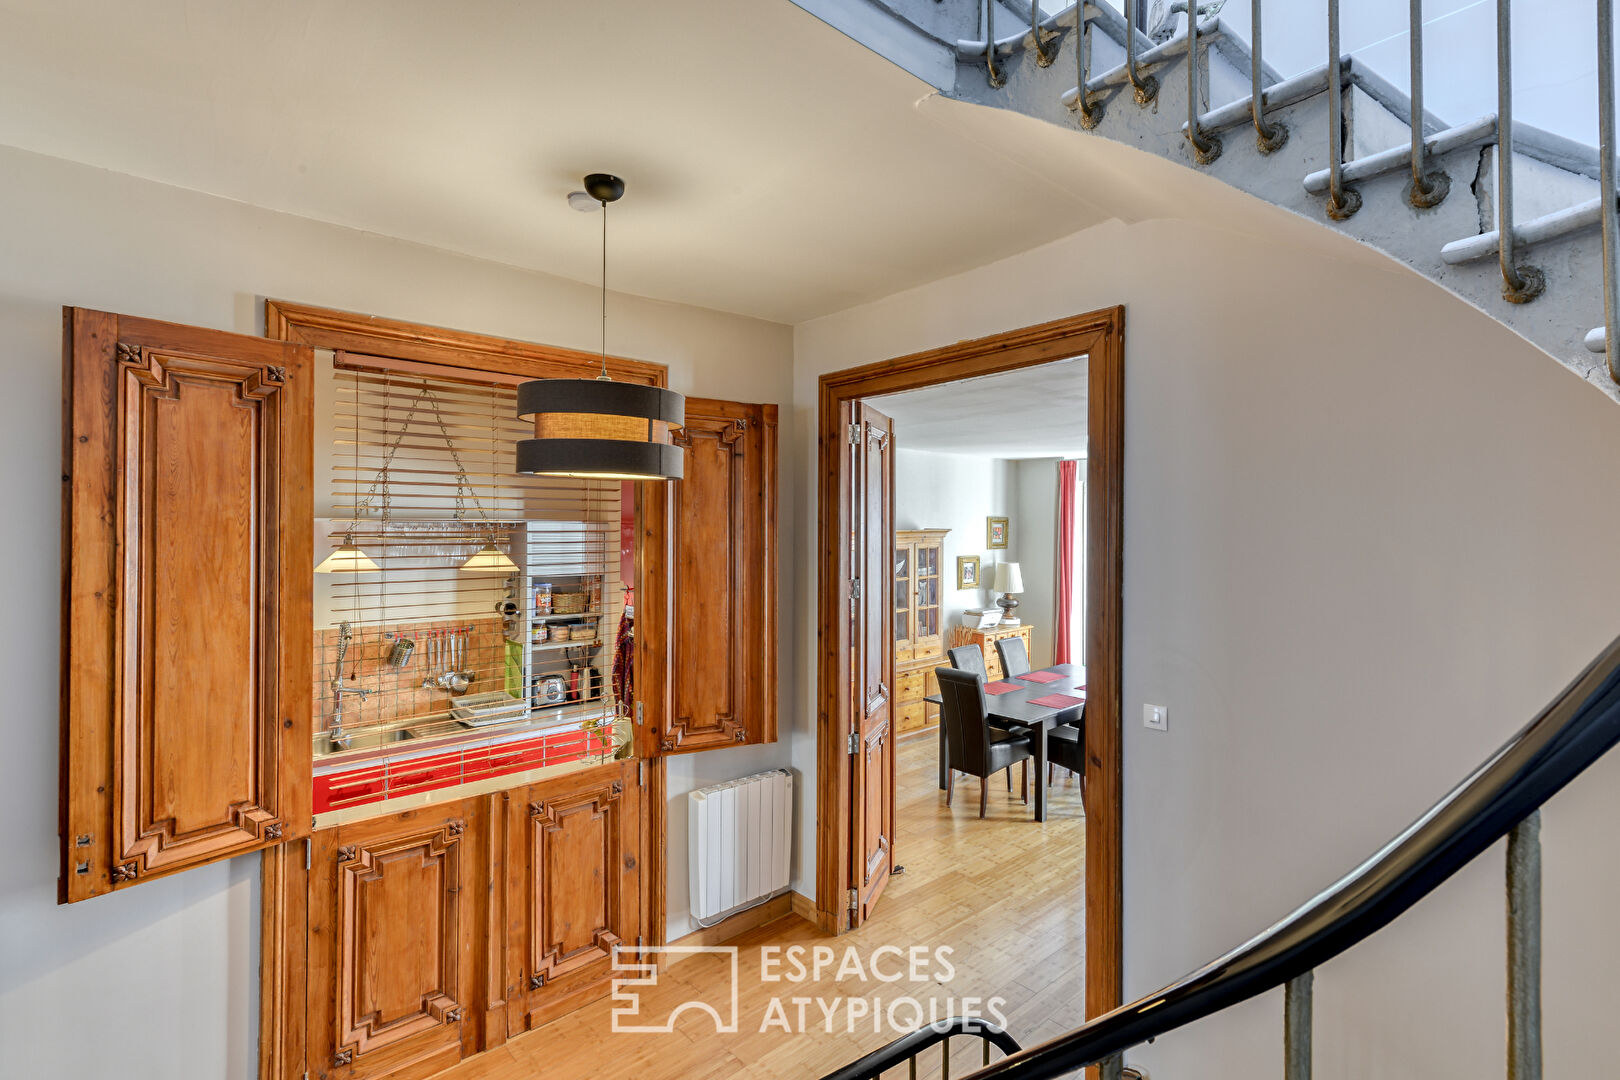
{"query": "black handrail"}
{"type": "Point", "coordinates": [1580, 725]}
{"type": "Point", "coordinates": [913, 1043]}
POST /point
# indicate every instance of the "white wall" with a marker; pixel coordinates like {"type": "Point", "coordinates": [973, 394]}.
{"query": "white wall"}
{"type": "Point", "coordinates": [167, 972]}
{"type": "Point", "coordinates": [1368, 532]}
{"type": "Point", "coordinates": [956, 492]}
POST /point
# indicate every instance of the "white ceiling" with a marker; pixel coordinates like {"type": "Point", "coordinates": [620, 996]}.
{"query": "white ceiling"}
{"type": "Point", "coordinates": [1033, 412]}
{"type": "Point", "coordinates": [775, 167]}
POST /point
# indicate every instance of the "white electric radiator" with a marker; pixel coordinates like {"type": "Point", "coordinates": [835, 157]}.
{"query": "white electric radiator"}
{"type": "Point", "coordinates": [741, 833]}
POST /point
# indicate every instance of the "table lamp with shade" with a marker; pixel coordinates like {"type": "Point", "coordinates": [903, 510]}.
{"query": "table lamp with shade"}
{"type": "Point", "coordinates": [1009, 579]}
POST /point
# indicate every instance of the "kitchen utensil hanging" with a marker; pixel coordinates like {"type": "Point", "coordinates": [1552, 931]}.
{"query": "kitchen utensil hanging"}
{"type": "Point", "coordinates": [400, 654]}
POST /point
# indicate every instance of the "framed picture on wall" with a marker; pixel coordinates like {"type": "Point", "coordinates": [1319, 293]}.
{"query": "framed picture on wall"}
{"type": "Point", "coordinates": [995, 532]}
{"type": "Point", "coordinates": [967, 571]}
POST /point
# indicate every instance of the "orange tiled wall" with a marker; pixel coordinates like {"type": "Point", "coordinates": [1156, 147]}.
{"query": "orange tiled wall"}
{"type": "Point", "coordinates": [398, 693]}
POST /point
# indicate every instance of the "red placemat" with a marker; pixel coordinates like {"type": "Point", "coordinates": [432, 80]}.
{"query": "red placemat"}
{"type": "Point", "coordinates": [1056, 701]}
{"type": "Point", "coordinates": [1041, 676]}
{"type": "Point", "coordinates": [1001, 687]}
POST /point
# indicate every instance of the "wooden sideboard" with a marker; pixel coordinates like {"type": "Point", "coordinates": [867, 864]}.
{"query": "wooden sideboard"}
{"type": "Point", "coordinates": [919, 643]}
{"type": "Point", "coordinates": [986, 641]}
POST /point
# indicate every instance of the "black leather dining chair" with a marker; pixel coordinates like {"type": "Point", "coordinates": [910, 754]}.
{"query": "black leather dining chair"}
{"type": "Point", "coordinates": [968, 658]}
{"type": "Point", "coordinates": [972, 746]}
{"type": "Point", "coordinates": [1066, 746]}
{"type": "Point", "coordinates": [1014, 657]}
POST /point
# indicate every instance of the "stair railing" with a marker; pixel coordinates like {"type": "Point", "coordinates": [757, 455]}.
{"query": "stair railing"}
{"type": "Point", "coordinates": [1502, 797]}
{"type": "Point", "coordinates": [1521, 282]}
{"type": "Point", "coordinates": [908, 1048]}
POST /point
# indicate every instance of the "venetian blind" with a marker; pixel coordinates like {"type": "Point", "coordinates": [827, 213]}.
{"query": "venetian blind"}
{"type": "Point", "coordinates": [421, 480]}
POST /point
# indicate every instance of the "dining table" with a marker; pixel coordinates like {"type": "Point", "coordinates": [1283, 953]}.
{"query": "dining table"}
{"type": "Point", "coordinates": [1018, 708]}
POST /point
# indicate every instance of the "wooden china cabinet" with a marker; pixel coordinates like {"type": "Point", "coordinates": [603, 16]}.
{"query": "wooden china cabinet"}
{"type": "Point", "coordinates": [919, 644]}
{"type": "Point", "coordinates": [400, 937]}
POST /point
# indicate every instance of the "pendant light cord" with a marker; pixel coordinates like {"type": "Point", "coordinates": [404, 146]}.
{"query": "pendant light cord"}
{"type": "Point", "coordinates": [604, 375]}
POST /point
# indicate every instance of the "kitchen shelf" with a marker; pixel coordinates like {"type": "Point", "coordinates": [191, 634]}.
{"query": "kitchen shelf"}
{"type": "Point", "coordinates": [574, 615]}
{"type": "Point", "coordinates": [542, 645]}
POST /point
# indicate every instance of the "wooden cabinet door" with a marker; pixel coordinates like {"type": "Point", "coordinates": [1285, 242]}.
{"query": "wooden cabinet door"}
{"type": "Point", "coordinates": [574, 854]}
{"type": "Point", "coordinates": [186, 598]}
{"type": "Point", "coordinates": [723, 569]}
{"type": "Point", "coordinates": [391, 964]}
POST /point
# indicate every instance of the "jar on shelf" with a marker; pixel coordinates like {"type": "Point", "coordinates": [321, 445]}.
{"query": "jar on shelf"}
{"type": "Point", "coordinates": [542, 598]}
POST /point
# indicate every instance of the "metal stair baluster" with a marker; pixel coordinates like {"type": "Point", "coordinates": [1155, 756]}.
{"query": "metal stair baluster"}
{"type": "Point", "coordinates": [1520, 284]}
{"type": "Point", "coordinates": [997, 79]}
{"type": "Point", "coordinates": [1298, 1008]}
{"type": "Point", "coordinates": [1268, 137]}
{"type": "Point", "coordinates": [1041, 56]}
{"type": "Point", "coordinates": [1524, 950]}
{"type": "Point", "coordinates": [1428, 189]}
{"type": "Point", "coordinates": [1146, 87]}
{"type": "Point", "coordinates": [1090, 114]}
{"type": "Point", "coordinates": [1342, 201]}
{"type": "Point", "coordinates": [1206, 148]}
{"type": "Point", "coordinates": [1610, 337]}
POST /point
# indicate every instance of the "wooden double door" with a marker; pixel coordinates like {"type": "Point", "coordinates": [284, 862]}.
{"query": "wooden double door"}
{"type": "Point", "coordinates": [871, 554]}
{"type": "Point", "coordinates": [439, 932]}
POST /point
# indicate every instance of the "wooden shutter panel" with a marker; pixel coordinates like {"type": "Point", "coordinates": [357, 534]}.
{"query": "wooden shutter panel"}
{"type": "Point", "coordinates": [723, 629]}
{"type": "Point", "coordinates": [186, 673]}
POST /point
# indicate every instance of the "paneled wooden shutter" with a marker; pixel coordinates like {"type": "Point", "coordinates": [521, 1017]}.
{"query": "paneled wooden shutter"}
{"type": "Point", "coordinates": [186, 598]}
{"type": "Point", "coordinates": [723, 571]}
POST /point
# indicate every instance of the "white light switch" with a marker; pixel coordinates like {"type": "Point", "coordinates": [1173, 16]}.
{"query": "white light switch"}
{"type": "Point", "coordinates": [1156, 717]}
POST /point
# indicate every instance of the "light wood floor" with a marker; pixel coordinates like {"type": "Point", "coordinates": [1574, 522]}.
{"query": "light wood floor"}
{"type": "Point", "coordinates": [1004, 893]}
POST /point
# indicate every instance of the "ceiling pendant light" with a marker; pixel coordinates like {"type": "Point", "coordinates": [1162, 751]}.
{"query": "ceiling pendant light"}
{"type": "Point", "coordinates": [348, 558]}
{"type": "Point", "coordinates": [598, 428]}
{"type": "Point", "coordinates": [489, 558]}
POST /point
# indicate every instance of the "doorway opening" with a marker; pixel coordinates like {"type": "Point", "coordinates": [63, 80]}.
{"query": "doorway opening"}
{"type": "Point", "coordinates": [888, 597]}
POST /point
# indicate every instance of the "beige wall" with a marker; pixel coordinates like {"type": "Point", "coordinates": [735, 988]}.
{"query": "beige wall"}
{"type": "Point", "coordinates": [1368, 532]}
{"type": "Point", "coordinates": [161, 981]}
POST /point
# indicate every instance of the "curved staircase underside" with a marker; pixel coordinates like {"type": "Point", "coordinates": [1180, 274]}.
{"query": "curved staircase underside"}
{"type": "Point", "coordinates": [1558, 224]}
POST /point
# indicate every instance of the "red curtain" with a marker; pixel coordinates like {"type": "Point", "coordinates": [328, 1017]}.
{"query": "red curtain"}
{"type": "Point", "coordinates": [1068, 482]}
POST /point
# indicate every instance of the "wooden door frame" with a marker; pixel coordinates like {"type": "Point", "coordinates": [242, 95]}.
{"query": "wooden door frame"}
{"type": "Point", "coordinates": [283, 980]}
{"type": "Point", "coordinates": [1100, 336]}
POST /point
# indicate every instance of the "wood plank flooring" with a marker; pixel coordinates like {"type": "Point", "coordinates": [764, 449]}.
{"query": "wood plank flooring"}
{"type": "Point", "coordinates": [1004, 894]}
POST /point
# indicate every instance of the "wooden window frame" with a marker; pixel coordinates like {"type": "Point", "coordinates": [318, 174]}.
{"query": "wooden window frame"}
{"type": "Point", "coordinates": [439, 351]}
{"type": "Point", "coordinates": [1100, 335]}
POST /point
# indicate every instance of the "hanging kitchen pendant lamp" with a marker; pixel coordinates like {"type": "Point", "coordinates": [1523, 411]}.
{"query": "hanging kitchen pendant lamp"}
{"type": "Point", "coordinates": [489, 558]}
{"type": "Point", "coordinates": [598, 428]}
{"type": "Point", "coordinates": [348, 558]}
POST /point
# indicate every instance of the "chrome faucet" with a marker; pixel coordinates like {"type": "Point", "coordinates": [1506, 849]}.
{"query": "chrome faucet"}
{"type": "Point", "coordinates": [340, 740]}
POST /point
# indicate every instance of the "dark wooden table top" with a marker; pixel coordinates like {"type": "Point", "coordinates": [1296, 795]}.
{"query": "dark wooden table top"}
{"type": "Point", "coordinates": [1015, 705]}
